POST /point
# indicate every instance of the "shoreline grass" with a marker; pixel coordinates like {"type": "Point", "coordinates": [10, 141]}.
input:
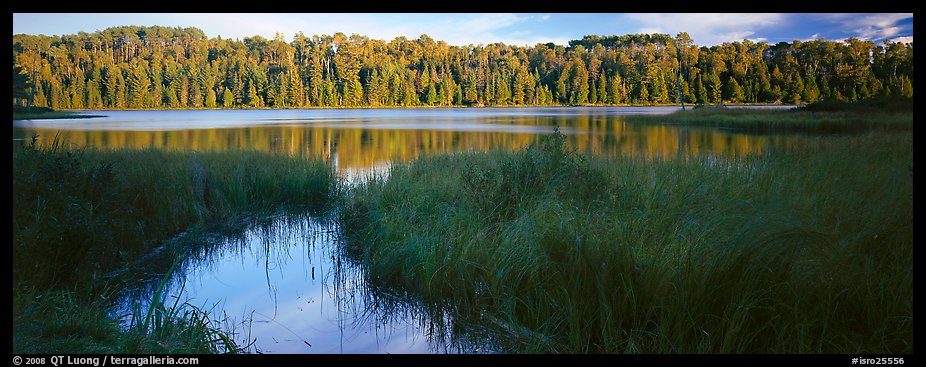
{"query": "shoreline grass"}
{"type": "Point", "coordinates": [82, 215]}
{"type": "Point", "coordinates": [25, 113]}
{"type": "Point", "coordinates": [805, 251]}
{"type": "Point", "coordinates": [894, 114]}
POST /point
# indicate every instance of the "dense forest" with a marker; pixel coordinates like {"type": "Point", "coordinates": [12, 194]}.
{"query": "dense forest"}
{"type": "Point", "coordinates": [162, 67]}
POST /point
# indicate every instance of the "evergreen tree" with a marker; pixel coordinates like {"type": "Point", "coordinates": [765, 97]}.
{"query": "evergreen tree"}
{"type": "Point", "coordinates": [39, 100]}
{"type": "Point", "coordinates": [156, 67]}
{"type": "Point", "coordinates": [579, 93]}
{"type": "Point", "coordinates": [810, 93]}
{"type": "Point", "coordinates": [138, 87]}
{"type": "Point", "coordinates": [643, 94]}
{"type": "Point", "coordinates": [252, 99]}
{"type": "Point", "coordinates": [714, 88]}
{"type": "Point", "coordinates": [700, 92]}
{"type": "Point", "coordinates": [906, 89]}
{"type": "Point", "coordinates": [616, 90]}
{"type": "Point", "coordinates": [210, 98]}
{"type": "Point", "coordinates": [114, 87]}
{"type": "Point", "coordinates": [593, 93]}
{"type": "Point", "coordinates": [228, 100]}
{"type": "Point", "coordinates": [602, 88]}
{"type": "Point", "coordinates": [734, 91]}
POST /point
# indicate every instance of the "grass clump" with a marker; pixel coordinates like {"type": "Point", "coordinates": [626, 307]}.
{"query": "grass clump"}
{"type": "Point", "coordinates": [891, 114]}
{"type": "Point", "coordinates": [801, 251]}
{"type": "Point", "coordinates": [30, 113]}
{"type": "Point", "coordinates": [82, 219]}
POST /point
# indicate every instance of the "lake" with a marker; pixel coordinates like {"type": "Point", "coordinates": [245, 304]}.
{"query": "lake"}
{"type": "Point", "coordinates": [285, 285]}
{"type": "Point", "coordinates": [360, 139]}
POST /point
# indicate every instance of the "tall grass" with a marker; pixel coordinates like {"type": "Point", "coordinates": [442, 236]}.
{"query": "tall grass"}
{"type": "Point", "coordinates": [894, 114]}
{"type": "Point", "coordinates": [82, 217]}
{"type": "Point", "coordinates": [803, 251]}
{"type": "Point", "coordinates": [162, 326]}
{"type": "Point", "coordinates": [30, 113]}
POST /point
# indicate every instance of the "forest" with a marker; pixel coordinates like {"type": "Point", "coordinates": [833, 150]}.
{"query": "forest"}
{"type": "Point", "coordinates": [135, 67]}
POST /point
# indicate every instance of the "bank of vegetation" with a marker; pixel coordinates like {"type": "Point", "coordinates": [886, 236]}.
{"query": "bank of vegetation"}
{"type": "Point", "coordinates": [161, 67]}
{"type": "Point", "coordinates": [831, 116]}
{"type": "Point", "coordinates": [83, 219]}
{"type": "Point", "coordinates": [29, 113]}
{"type": "Point", "coordinates": [807, 250]}
{"type": "Point", "coordinates": [804, 250]}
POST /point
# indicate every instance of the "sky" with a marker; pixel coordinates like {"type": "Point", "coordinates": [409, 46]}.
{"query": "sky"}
{"type": "Point", "coordinates": [523, 29]}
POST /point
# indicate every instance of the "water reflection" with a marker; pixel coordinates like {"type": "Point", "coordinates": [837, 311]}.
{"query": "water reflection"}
{"type": "Point", "coordinates": [360, 139]}
{"type": "Point", "coordinates": [287, 287]}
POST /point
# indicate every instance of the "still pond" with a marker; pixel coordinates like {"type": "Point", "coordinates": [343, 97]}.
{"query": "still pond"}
{"type": "Point", "coordinates": [285, 285]}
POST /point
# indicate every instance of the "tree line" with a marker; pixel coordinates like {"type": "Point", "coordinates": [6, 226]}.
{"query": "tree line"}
{"type": "Point", "coordinates": [164, 67]}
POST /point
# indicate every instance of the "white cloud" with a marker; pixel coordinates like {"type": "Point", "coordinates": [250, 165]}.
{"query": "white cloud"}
{"type": "Point", "coordinates": [456, 29]}
{"type": "Point", "coordinates": [870, 26]}
{"type": "Point", "coordinates": [707, 28]}
{"type": "Point", "coordinates": [489, 22]}
{"type": "Point", "coordinates": [904, 39]}
{"type": "Point", "coordinates": [475, 29]}
{"type": "Point", "coordinates": [239, 25]}
{"type": "Point", "coordinates": [651, 30]}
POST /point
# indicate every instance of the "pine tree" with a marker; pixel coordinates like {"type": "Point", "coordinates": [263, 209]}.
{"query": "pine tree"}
{"type": "Point", "coordinates": [617, 90]}
{"type": "Point", "coordinates": [114, 84]}
{"type": "Point", "coordinates": [138, 87]}
{"type": "Point", "coordinates": [458, 95]}
{"type": "Point", "coordinates": [602, 88]}
{"type": "Point", "coordinates": [734, 91]}
{"type": "Point", "coordinates": [700, 92]}
{"type": "Point", "coordinates": [714, 88]}
{"type": "Point", "coordinates": [593, 94]}
{"type": "Point", "coordinates": [579, 93]}
{"type": "Point", "coordinates": [252, 99]}
{"type": "Point", "coordinates": [228, 100]}
{"type": "Point", "coordinates": [644, 94]}
{"type": "Point", "coordinates": [180, 67]}
{"type": "Point", "coordinates": [78, 91]}
{"type": "Point", "coordinates": [906, 87]}
{"type": "Point", "coordinates": [39, 100]}
{"type": "Point", "coordinates": [810, 93]}
{"type": "Point", "coordinates": [210, 98]}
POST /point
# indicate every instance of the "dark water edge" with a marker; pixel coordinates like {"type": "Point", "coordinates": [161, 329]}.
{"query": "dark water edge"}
{"type": "Point", "coordinates": [288, 286]}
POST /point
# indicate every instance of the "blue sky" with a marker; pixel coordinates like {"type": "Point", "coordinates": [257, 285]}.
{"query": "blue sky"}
{"type": "Point", "coordinates": [706, 29]}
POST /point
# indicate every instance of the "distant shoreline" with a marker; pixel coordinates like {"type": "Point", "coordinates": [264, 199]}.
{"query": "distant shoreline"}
{"type": "Point", "coordinates": [70, 113]}
{"type": "Point", "coordinates": [50, 115]}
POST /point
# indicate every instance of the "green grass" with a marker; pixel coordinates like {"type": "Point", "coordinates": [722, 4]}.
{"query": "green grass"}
{"type": "Point", "coordinates": [822, 117]}
{"type": "Point", "coordinates": [804, 251]}
{"type": "Point", "coordinates": [83, 217]}
{"type": "Point", "coordinates": [26, 113]}
{"type": "Point", "coordinates": [65, 321]}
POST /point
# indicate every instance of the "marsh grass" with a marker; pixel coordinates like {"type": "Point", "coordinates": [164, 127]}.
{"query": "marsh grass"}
{"type": "Point", "coordinates": [893, 114]}
{"type": "Point", "coordinates": [82, 218]}
{"type": "Point", "coordinates": [160, 325]}
{"type": "Point", "coordinates": [30, 113]}
{"type": "Point", "coordinates": [801, 251]}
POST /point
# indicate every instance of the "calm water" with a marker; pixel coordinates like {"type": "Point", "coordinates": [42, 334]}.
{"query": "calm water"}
{"type": "Point", "coordinates": [360, 139]}
{"type": "Point", "coordinates": [285, 285]}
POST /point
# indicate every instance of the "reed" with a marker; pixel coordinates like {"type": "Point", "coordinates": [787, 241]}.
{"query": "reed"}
{"type": "Point", "coordinates": [894, 114]}
{"type": "Point", "coordinates": [83, 218]}
{"type": "Point", "coordinates": [801, 251]}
